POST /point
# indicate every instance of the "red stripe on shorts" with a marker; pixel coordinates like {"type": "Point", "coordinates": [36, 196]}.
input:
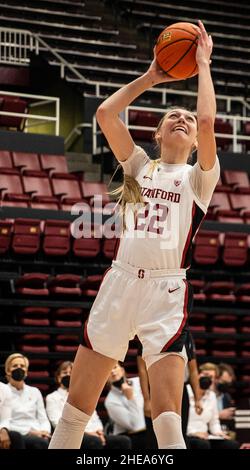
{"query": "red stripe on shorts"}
{"type": "Point", "coordinates": [185, 314]}
{"type": "Point", "coordinates": [85, 334]}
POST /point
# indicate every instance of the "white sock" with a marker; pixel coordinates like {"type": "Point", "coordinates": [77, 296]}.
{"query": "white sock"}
{"type": "Point", "coordinates": [70, 428]}
{"type": "Point", "coordinates": [167, 428]}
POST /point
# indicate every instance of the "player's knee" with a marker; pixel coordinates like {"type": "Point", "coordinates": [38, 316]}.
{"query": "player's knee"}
{"type": "Point", "coordinates": [76, 402]}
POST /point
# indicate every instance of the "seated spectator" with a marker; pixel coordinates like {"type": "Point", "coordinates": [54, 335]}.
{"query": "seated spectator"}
{"type": "Point", "coordinates": [94, 436]}
{"type": "Point", "coordinates": [125, 407]}
{"type": "Point", "coordinates": [221, 377]}
{"type": "Point", "coordinates": [8, 439]}
{"type": "Point", "coordinates": [28, 415]}
{"type": "Point", "coordinates": [204, 429]}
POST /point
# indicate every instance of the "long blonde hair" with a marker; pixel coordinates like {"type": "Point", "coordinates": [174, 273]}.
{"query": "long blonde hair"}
{"type": "Point", "coordinates": [130, 190]}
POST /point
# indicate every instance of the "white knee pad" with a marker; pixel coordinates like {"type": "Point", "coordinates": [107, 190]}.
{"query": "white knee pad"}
{"type": "Point", "coordinates": [70, 428]}
{"type": "Point", "coordinates": [167, 428]}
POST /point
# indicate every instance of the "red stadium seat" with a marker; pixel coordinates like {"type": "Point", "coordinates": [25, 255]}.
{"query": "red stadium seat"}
{"type": "Point", "coordinates": [235, 251]}
{"type": "Point", "coordinates": [66, 343]}
{"type": "Point", "coordinates": [51, 206]}
{"type": "Point", "coordinates": [224, 320]}
{"type": "Point", "coordinates": [56, 240]}
{"type": "Point", "coordinates": [222, 188]}
{"type": "Point", "coordinates": [243, 293]}
{"type": "Point", "coordinates": [67, 317]}
{"type": "Point", "coordinates": [34, 343]}
{"type": "Point", "coordinates": [220, 291]}
{"type": "Point", "coordinates": [89, 190]}
{"type": "Point", "coordinates": [198, 289]}
{"type": "Point", "coordinates": [6, 164]}
{"type": "Point", "coordinates": [240, 202]}
{"type": "Point", "coordinates": [26, 236]}
{"type": "Point", "coordinates": [220, 205]}
{"type": "Point", "coordinates": [206, 248]}
{"type": "Point", "coordinates": [223, 127]}
{"type": "Point", "coordinates": [13, 105]}
{"type": "Point", "coordinates": [32, 284]}
{"type": "Point", "coordinates": [11, 188]}
{"type": "Point", "coordinates": [86, 247]}
{"type": "Point", "coordinates": [238, 180]}
{"type": "Point", "coordinates": [143, 119]}
{"type": "Point", "coordinates": [55, 165]}
{"type": "Point", "coordinates": [90, 285]}
{"type": "Point", "coordinates": [197, 329]}
{"type": "Point", "coordinates": [34, 316]}
{"type": "Point", "coordinates": [229, 330]}
{"type": "Point", "coordinates": [27, 163]}
{"type": "Point", "coordinates": [39, 189]}
{"type": "Point", "coordinates": [5, 235]}
{"type": "Point", "coordinates": [67, 190]}
{"type": "Point", "coordinates": [65, 284]}
{"type": "Point", "coordinates": [109, 247]}
{"type": "Point", "coordinates": [14, 204]}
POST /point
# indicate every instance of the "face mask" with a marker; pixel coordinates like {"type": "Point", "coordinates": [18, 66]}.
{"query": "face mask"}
{"type": "Point", "coordinates": [205, 383]}
{"type": "Point", "coordinates": [18, 374]}
{"type": "Point", "coordinates": [223, 387]}
{"type": "Point", "coordinates": [118, 383]}
{"type": "Point", "coordinates": [65, 381]}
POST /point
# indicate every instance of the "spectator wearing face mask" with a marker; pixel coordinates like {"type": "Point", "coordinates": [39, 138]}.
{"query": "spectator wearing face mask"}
{"type": "Point", "coordinates": [204, 430]}
{"type": "Point", "coordinates": [94, 436]}
{"type": "Point", "coordinates": [28, 415]}
{"type": "Point", "coordinates": [225, 401]}
{"type": "Point", "coordinates": [8, 439]}
{"type": "Point", "coordinates": [221, 376]}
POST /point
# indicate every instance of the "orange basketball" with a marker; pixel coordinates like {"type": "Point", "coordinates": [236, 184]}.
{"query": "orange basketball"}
{"type": "Point", "coordinates": [176, 50]}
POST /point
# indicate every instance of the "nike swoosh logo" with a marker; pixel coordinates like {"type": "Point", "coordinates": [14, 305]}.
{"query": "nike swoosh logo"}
{"type": "Point", "coordinates": [173, 290]}
{"type": "Point", "coordinates": [147, 177]}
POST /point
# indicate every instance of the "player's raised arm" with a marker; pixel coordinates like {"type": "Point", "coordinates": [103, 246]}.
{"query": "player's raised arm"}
{"type": "Point", "coordinates": [107, 114]}
{"type": "Point", "coordinates": [206, 104]}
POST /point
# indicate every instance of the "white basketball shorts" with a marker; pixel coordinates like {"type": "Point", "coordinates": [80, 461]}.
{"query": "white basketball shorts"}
{"type": "Point", "coordinates": [152, 304]}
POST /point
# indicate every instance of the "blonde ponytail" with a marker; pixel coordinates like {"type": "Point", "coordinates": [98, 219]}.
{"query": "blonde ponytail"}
{"type": "Point", "coordinates": [130, 191]}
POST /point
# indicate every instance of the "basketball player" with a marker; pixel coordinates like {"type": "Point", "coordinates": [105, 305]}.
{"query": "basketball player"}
{"type": "Point", "coordinates": [145, 291]}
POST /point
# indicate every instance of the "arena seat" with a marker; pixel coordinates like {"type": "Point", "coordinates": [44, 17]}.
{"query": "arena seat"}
{"type": "Point", "coordinates": [143, 119]}
{"type": "Point", "coordinates": [52, 206]}
{"type": "Point", "coordinates": [65, 284]}
{"type": "Point", "coordinates": [221, 291]}
{"type": "Point", "coordinates": [223, 127]}
{"type": "Point", "coordinates": [235, 249]}
{"type": "Point", "coordinates": [240, 202]}
{"type": "Point", "coordinates": [66, 343]}
{"type": "Point", "coordinates": [90, 285]}
{"type": "Point", "coordinates": [32, 284]}
{"type": "Point", "coordinates": [67, 190]}
{"type": "Point", "coordinates": [56, 240]}
{"type": "Point", "coordinates": [109, 247]}
{"type": "Point", "coordinates": [89, 190]}
{"type": "Point", "coordinates": [27, 163]}
{"type": "Point", "coordinates": [243, 293]}
{"type": "Point", "coordinates": [220, 205]}
{"type": "Point", "coordinates": [54, 165]}
{"type": "Point", "coordinates": [206, 248]}
{"type": "Point", "coordinates": [238, 180]}
{"type": "Point", "coordinates": [198, 289]}
{"type": "Point", "coordinates": [13, 105]}
{"type": "Point", "coordinates": [67, 317]}
{"type": "Point", "coordinates": [86, 247]}
{"type": "Point", "coordinates": [26, 236]}
{"type": "Point", "coordinates": [11, 188]}
{"type": "Point", "coordinates": [222, 188]}
{"type": "Point", "coordinates": [39, 189]}
{"type": "Point", "coordinates": [223, 330]}
{"type": "Point", "coordinates": [34, 343]}
{"type": "Point", "coordinates": [5, 235]}
{"type": "Point", "coordinates": [34, 316]}
{"type": "Point", "coordinates": [6, 164]}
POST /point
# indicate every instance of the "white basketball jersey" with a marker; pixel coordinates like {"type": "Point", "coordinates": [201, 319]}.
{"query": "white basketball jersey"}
{"type": "Point", "coordinates": [159, 234]}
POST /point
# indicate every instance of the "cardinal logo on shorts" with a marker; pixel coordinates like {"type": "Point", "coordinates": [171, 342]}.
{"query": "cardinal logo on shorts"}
{"type": "Point", "coordinates": [141, 273]}
{"type": "Point", "coordinates": [177, 182]}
